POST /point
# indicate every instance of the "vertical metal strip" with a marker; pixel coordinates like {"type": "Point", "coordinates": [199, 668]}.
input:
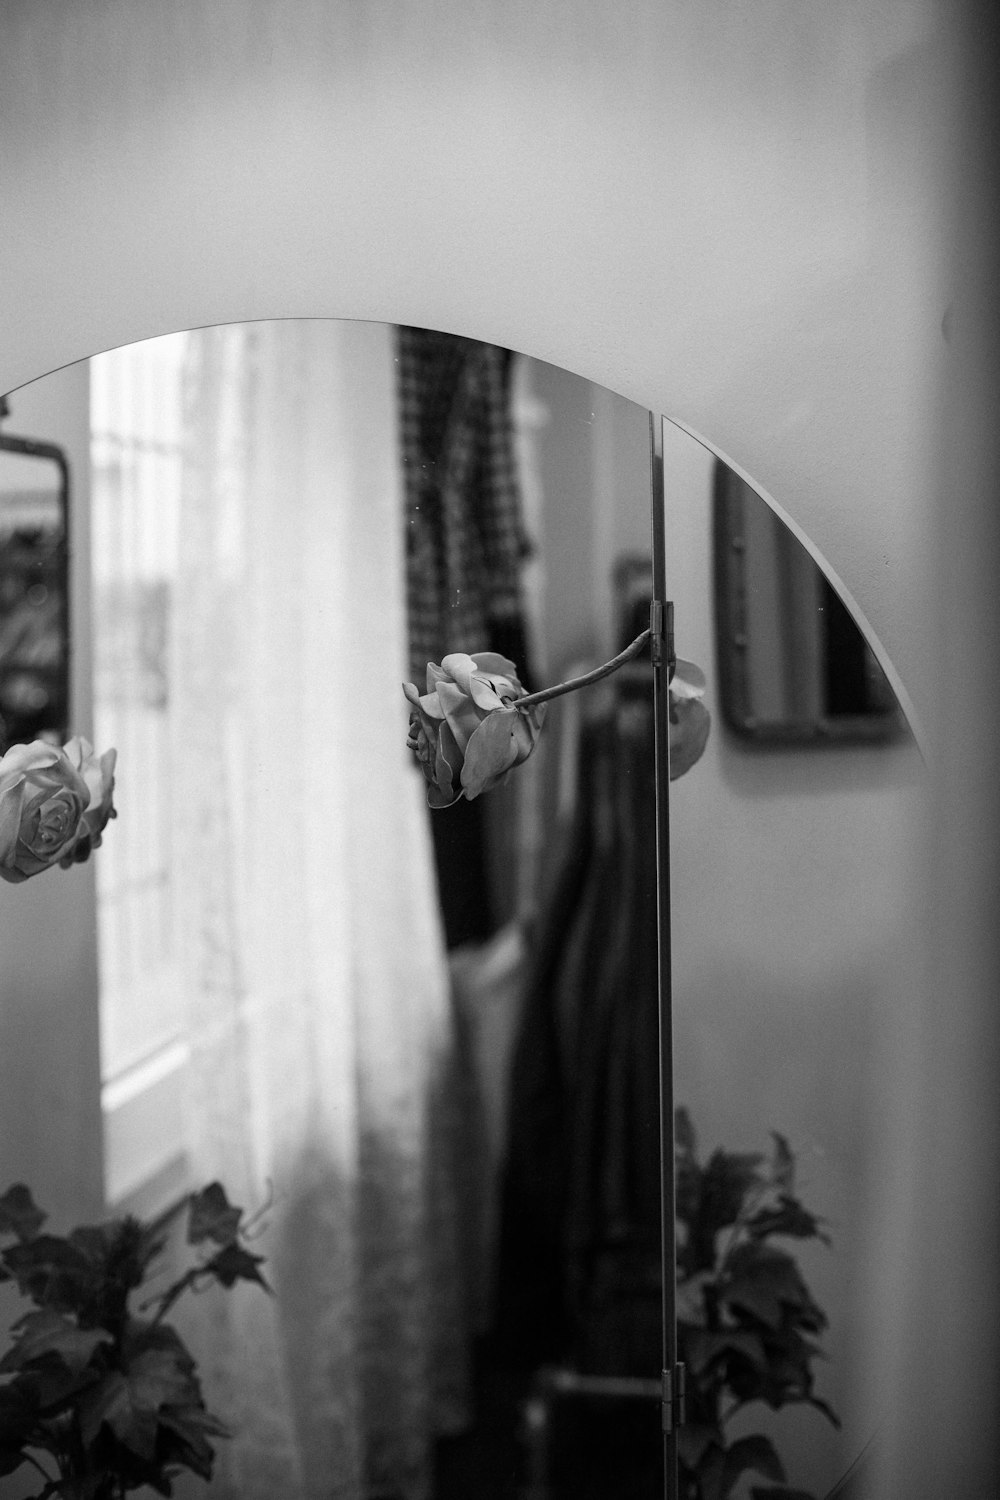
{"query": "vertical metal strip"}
{"type": "Point", "coordinates": [661, 671]}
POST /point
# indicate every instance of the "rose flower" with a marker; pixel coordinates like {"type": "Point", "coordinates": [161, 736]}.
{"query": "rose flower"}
{"type": "Point", "coordinates": [43, 797]}
{"type": "Point", "coordinates": [99, 774]}
{"type": "Point", "coordinates": [465, 731]}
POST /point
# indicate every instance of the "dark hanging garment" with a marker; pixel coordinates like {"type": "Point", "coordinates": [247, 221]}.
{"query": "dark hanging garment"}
{"type": "Point", "coordinates": [579, 1251]}
{"type": "Point", "coordinates": [465, 537]}
{"type": "Point", "coordinates": [465, 550]}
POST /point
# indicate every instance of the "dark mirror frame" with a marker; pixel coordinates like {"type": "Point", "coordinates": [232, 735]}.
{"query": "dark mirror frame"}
{"type": "Point", "coordinates": [859, 708]}
{"type": "Point", "coordinates": [50, 719]}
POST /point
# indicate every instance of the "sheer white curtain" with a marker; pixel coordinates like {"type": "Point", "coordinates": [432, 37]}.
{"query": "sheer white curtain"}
{"type": "Point", "coordinates": [312, 954]}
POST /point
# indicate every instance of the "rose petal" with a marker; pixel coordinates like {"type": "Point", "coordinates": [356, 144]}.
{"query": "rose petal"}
{"type": "Point", "coordinates": [20, 759]}
{"type": "Point", "coordinates": [495, 665]}
{"type": "Point", "coordinates": [485, 695]}
{"type": "Point", "coordinates": [491, 752]}
{"type": "Point", "coordinates": [436, 798]}
{"type": "Point", "coordinates": [78, 750]}
{"type": "Point", "coordinates": [447, 766]}
{"type": "Point", "coordinates": [10, 821]}
{"type": "Point", "coordinates": [459, 666]}
{"type": "Point", "coordinates": [460, 712]}
{"type": "Point", "coordinates": [526, 731]}
{"type": "Point", "coordinates": [432, 707]}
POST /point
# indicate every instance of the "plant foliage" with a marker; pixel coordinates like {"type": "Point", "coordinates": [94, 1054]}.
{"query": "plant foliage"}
{"type": "Point", "coordinates": [748, 1325]}
{"type": "Point", "coordinates": [101, 1395]}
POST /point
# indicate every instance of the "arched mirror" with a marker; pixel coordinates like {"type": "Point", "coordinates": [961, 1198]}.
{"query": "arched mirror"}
{"type": "Point", "coordinates": [424, 1044]}
{"type": "Point", "coordinates": [789, 928]}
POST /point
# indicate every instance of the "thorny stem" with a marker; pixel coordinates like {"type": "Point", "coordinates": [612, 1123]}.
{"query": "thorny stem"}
{"type": "Point", "coordinates": [544, 694]}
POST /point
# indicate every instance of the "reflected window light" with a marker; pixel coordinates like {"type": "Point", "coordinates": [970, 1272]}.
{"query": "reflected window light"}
{"type": "Point", "coordinates": [135, 498]}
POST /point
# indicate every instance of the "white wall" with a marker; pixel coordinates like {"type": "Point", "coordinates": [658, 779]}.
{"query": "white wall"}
{"type": "Point", "coordinates": [730, 213]}
{"type": "Point", "coordinates": [724, 213]}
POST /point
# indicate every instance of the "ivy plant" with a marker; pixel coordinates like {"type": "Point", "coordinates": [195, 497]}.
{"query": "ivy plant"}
{"type": "Point", "coordinates": [101, 1394]}
{"type": "Point", "coordinates": [748, 1325]}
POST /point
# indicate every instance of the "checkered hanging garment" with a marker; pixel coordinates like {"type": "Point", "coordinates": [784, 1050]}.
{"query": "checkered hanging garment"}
{"type": "Point", "coordinates": [466, 541]}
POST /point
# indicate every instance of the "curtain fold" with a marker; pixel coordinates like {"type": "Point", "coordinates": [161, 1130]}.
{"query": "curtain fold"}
{"type": "Point", "coordinates": [317, 992]}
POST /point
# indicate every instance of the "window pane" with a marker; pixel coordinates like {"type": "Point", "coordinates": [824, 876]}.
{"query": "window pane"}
{"type": "Point", "coordinates": [136, 469]}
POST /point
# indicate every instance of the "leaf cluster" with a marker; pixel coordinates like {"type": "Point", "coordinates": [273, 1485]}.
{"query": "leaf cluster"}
{"type": "Point", "coordinates": [101, 1395]}
{"type": "Point", "coordinates": [748, 1328]}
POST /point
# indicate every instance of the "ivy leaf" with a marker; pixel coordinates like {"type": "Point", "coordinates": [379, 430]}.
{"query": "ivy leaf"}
{"type": "Point", "coordinates": [187, 1421]}
{"type": "Point", "coordinates": [234, 1264]}
{"type": "Point", "coordinates": [11, 1459]}
{"type": "Point", "coordinates": [142, 1336]}
{"type": "Point", "coordinates": [685, 1139]}
{"type": "Point", "coordinates": [755, 1452]}
{"type": "Point", "coordinates": [703, 1347]}
{"type": "Point", "coordinates": [49, 1333]}
{"type": "Point", "coordinates": [17, 1417]}
{"type": "Point", "coordinates": [112, 1402]}
{"type": "Point", "coordinates": [787, 1377]}
{"type": "Point", "coordinates": [19, 1213]}
{"type": "Point", "coordinates": [711, 1199]}
{"type": "Point", "coordinates": [213, 1217]}
{"type": "Point", "coordinates": [190, 1427]}
{"type": "Point", "coordinates": [695, 1440]}
{"type": "Point", "coordinates": [826, 1409]}
{"type": "Point", "coordinates": [788, 1217]}
{"type": "Point", "coordinates": [782, 1163]}
{"type": "Point", "coordinates": [727, 1179]}
{"type": "Point", "coordinates": [92, 1241]}
{"type": "Point", "coordinates": [122, 1248]}
{"type": "Point", "coordinates": [711, 1472]}
{"type": "Point", "coordinates": [130, 1400]}
{"type": "Point", "coordinates": [55, 1387]}
{"type": "Point", "coordinates": [764, 1281]}
{"type": "Point", "coordinates": [161, 1377]}
{"type": "Point", "coordinates": [51, 1271]}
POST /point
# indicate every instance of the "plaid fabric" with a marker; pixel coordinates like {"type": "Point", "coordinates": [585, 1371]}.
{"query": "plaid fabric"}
{"type": "Point", "coordinates": [465, 536]}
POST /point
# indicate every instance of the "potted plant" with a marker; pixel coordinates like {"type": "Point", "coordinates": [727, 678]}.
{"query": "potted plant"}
{"type": "Point", "coordinates": [748, 1326]}
{"type": "Point", "coordinates": [101, 1394]}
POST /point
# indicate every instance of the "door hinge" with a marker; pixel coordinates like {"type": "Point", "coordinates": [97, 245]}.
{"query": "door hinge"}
{"type": "Point", "coordinates": [661, 634]}
{"type": "Point", "coordinates": [673, 1401]}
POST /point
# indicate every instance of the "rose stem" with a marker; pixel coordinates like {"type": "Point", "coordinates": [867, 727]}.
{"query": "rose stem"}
{"type": "Point", "coordinates": [544, 694]}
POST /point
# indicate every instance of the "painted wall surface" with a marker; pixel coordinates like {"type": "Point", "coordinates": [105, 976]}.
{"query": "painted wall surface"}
{"type": "Point", "coordinates": [733, 214]}
{"type": "Point", "coordinates": [726, 213]}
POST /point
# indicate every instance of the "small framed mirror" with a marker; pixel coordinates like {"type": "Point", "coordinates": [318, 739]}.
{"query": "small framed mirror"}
{"type": "Point", "coordinates": [794, 667]}
{"type": "Point", "coordinates": [34, 590]}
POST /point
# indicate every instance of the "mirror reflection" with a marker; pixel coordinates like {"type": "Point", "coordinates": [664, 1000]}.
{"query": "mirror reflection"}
{"type": "Point", "coordinates": [790, 940]}
{"type": "Point", "coordinates": [34, 634]}
{"type": "Point", "coordinates": [793, 664]}
{"type": "Point", "coordinates": [422, 1044]}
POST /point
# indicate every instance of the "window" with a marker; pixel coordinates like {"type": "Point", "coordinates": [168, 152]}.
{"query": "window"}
{"type": "Point", "coordinates": [136, 464]}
